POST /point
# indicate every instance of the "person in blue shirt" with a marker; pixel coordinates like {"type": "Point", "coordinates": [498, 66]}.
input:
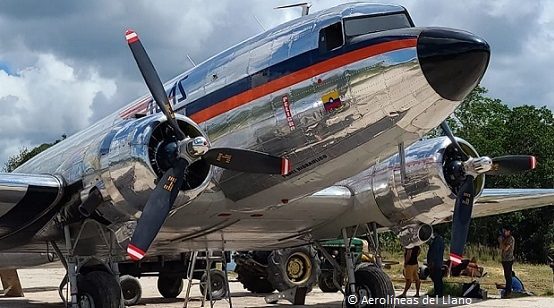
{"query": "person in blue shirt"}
{"type": "Point", "coordinates": [435, 261]}
{"type": "Point", "coordinates": [517, 285]}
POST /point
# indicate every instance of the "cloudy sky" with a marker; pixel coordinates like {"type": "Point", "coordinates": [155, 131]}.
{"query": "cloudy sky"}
{"type": "Point", "coordinates": [65, 64]}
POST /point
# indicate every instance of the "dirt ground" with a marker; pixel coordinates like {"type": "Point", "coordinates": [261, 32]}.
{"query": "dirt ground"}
{"type": "Point", "coordinates": [40, 287]}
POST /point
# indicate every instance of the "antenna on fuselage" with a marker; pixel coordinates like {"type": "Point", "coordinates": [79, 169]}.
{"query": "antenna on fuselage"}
{"type": "Point", "coordinates": [259, 22]}
{"type": "Point", "coordinates": [191, 61]}
{"type": "Point", "coordinates": [305, 7]}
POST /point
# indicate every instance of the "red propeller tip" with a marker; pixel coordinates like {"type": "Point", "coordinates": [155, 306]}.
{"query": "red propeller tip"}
{"type": "Point", "coordinates": [285, 166]}
{"type": "Point", "coordinates": [455, 259]}
{"type": "Point", "coordinates": [131, 36]}
{"type": "Point", "coordinates": [135, 253]}
{"type": "Point", "coordinates": [533, 162]}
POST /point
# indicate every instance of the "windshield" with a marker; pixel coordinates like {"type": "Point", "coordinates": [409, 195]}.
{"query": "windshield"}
{"type": "Point", "coordinates": [369, 24]}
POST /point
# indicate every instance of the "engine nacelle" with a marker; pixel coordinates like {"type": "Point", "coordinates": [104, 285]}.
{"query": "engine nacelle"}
{"type": "Point", "coordinates": [426, 193]}
{"type": "Point", "coordinates": [131, 163]}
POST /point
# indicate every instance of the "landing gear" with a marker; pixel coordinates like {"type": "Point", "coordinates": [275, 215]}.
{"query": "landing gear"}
{"type": "Point", "coordinates": [98, 289]}
{"type": "Point", "coordinates": [90, 281]}
{"type": "Point", "coordinates": [365, 281]}
{"type": "Point", "coordinates": [170, 286]}
{"type": "Point", "coordinates": [131, 289]}
{"type": "Point", "coordinates": [372, 282]}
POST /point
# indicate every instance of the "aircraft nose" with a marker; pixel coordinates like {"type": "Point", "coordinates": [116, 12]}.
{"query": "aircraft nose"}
{"type": "Point", "coordinates": [452, 61]}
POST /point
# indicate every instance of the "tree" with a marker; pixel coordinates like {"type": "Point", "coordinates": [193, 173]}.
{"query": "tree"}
{"type": "Point", "coordinates": [26, 154]}
{"type": "Point", "coordinates": [494, 129]}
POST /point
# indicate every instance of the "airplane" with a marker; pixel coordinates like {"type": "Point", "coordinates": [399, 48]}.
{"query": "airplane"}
{"type": "Point", "coordinates": [298, 134]}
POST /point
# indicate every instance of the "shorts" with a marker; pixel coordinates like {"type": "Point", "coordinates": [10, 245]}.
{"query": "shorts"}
{"type": "Point", "coordinates": [411, 272]}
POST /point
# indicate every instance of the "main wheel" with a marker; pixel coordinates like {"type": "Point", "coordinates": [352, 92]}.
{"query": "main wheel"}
{"type": "Point", "coordinates": [131, 289]}
{"type": "Point", "coordinates": [98, 289]}
{"type": "Point", "coordinates": [170, 286]}
{"type": "Point", "coordinates": [325, 282]}
{"type": "Point", "coordinates": [253, 281]}
{"type": "Point", "coordinates": [372, 282]}
{"type": "Point", "coordinates": [217, 280]}
{"type": "Point", "coordinates": [293, 267]}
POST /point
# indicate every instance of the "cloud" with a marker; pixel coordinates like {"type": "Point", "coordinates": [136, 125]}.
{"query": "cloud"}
{"type": "Point", "coordinates": [84, 40]}
{"type": "Point", "coordinates": [43, 101]}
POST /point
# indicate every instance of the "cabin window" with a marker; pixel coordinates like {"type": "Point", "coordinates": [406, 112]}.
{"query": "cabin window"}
{"type": "Point", "coordinates": [331, 37]}
{"type": "Point", "coordinates": [369, 24]}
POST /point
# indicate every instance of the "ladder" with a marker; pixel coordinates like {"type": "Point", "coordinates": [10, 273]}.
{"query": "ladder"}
{"type": "Point", "coordinates": [206, 285]}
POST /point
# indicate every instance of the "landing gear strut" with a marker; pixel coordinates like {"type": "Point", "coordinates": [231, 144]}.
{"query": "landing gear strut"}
{"type": "Point", "coordinates": [367, 284]}
{"type": "Point", "coordinates": [92, 282]}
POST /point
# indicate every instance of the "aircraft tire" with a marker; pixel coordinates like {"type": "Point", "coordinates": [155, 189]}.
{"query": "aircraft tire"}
{"type": "Point", "coordinates": [170, 286]}
{"type": "Point", "coordinates": [372, 282]}
{"type": "Point", "coordinates": [253, 281]}
{"type": "Point", "coordinates": [293, 267]}
{"type": "Point", "coordinates": [98, 289]}
{"type": "Point", "coordinates": [219, 287]}
{"type": "Point", "coordinates": [131, 289]}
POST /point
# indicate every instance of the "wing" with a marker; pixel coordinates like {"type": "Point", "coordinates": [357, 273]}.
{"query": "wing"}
{"type": "Point", "coordinates": [27, 203]}
{"type": "Point", "coordinates": [499, 201]}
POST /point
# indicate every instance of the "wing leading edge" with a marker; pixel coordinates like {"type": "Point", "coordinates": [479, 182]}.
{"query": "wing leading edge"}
{"type": "Point", "coordinates": [500, 201]}
{"type": "Point", "coordinates": [27, 203]}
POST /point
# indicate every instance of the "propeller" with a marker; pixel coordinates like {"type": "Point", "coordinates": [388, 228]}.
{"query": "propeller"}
{"type": "Point", "coordinates": [156, 210]}
{"type": "Point", "coordinates": [180, 154]}
{"type": "Point", "coordinates": [466, 171]}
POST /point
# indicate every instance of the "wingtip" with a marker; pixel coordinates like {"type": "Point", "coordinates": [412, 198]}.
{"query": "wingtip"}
{"type": "Point", "coordinates": [131, 36]}
{"type": "Point", "coordinates": [135, 253]}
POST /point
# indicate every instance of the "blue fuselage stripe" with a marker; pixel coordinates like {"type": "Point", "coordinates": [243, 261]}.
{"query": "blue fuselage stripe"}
{"type": "Point", "coordinates": [279, 70]}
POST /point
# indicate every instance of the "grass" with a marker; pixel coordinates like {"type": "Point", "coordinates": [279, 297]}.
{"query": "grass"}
{"type": "Point", "coordinates": [449, 288]}
{"type": "Point", "coordinates": [537, 279]}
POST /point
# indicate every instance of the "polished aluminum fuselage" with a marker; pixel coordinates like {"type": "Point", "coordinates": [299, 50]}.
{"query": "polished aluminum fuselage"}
{"type": "Point", "coordinates": [384, 97]}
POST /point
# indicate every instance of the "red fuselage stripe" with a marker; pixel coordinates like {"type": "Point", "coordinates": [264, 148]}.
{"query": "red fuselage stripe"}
{"type": "Point", "coordinates": [298, 76]}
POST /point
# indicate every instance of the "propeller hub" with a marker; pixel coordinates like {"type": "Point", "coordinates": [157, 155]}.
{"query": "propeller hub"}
{"type": "Point", "coordinates": [193, 149]}
{"type": "Point", "coordinates": [197, 146]}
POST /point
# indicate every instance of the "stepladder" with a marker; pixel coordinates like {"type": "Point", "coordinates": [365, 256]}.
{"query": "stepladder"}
{"type": "Point", "coordinates": [214, 282]}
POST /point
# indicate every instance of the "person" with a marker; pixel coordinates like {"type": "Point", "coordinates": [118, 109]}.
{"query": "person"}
{"type": "Point", "coordinates": [435, 262]}
{"type": "Point", "coordinates": [517, 285]}
{"type": "Point", "coordinates": [473, 269]}
{"type": "Point", "coordinates": [411, 268]}
{"type": "Point", "coordinates": [507, 244]}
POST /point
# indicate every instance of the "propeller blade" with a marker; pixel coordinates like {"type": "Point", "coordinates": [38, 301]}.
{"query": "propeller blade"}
{"type": "Point", "coordinates": [156, 210]}
{"type": "Point", "coordinates": [512, 164]}
{"type": "Point", "coordinates": [247, 161]}
{"type": "Point", "coordinates": [461, 220]}
{"type": "Point", "coordinates": [446, 129]}
{"type": "Point", "coordinates": [152, 80]}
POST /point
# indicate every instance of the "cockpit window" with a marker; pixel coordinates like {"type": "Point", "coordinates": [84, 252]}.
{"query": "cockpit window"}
{"type": "Point", "coordinates": [331, 37]}
{"type": "Point", "coordinates": [370, 24]}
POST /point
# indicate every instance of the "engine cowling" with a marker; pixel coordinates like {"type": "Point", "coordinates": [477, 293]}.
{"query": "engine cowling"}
{"type": "Point", "coordinates": [132, 160]}
{"type": "Point", "coordinates": [426, 194]}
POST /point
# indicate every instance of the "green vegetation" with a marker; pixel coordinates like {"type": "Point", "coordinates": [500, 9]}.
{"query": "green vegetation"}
{"type": "Point", "coordinates": [495, 129]}
{"type": "Point", "coordinates": [450, 288]}
{"type": "Point", "coordinates": [26, 154]}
